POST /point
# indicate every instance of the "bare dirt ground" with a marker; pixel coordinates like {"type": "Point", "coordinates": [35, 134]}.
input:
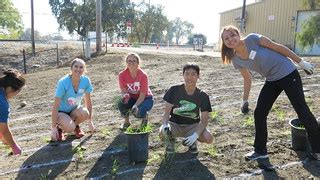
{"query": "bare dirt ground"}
{"type": "Point", "coordinates": [104, 153]}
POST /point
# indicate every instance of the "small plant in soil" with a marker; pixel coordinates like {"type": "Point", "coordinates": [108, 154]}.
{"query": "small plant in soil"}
{"type": "Point", "coordinates": [115, 101]}
{"type": "Point", "coordinates": [136, 130]}
{"type": "Point", "coordinates": [115, 167]}
{"type": "Point", "coordinates": [216, 116]}
{"type": "Point", "coordinates": [79, 150]}
{"type": "Point", "coordinates": [105, 131]}
{"type": "Point", "coordinates": [212, 151]}
{"type": "Point", "coordinates": [248, 122]}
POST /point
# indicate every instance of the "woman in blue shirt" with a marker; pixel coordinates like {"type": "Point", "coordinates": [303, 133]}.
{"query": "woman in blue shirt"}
{"type": "Point", "coordinates": [67, 112]}
{"type": "Point", "coordinates": [275, 62]}
{"type": "Point", "coordinates": [11, 83]}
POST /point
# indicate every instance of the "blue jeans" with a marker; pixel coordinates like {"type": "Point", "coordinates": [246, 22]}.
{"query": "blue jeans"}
{"type": "Point", "coordinates": [144, 107]}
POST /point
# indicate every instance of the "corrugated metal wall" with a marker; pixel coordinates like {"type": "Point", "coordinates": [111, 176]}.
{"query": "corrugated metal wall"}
{"type": "Point", "coordinates": [275, 19]}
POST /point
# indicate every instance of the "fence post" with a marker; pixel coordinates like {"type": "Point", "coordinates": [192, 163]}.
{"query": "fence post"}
{"type": "Point", "coordinates": [57, 46]}
{"type": "Point", "coordinates": [24, 61]}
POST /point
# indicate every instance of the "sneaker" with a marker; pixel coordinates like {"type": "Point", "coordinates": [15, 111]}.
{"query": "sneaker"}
{"type": "Point", "coordinates": [169, 141]}
{"type": "Point", "coordinates": [60, 135]}
{"type": "Point", "coordinates": [193, 148]}
{"type": "Point", "coordinates": [124, 126]}
{"type": "Point", "coordinates": [78, 132]}
{"type": "Point", "coordinates": [254, 156]}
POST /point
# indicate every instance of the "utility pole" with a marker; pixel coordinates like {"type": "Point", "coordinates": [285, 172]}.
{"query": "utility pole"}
{"type": "Point", "coordinates": [243, 14]}
{"type": "Point", "coordinates": [98, 26]}
{"type": "Point", "coordinates": [32, 30]}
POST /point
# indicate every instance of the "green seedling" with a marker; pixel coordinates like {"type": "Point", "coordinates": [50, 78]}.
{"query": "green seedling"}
{"type": "Point", "coordinates": [250, 142]}
{"type": "Point", "coordinates": [105, 131]}
{"type": "Point", "coordinates": [154, 158]}
{"type": "Point", "coordinates": [46, 139]}
{"type": "Point", "coordinates": [115, 167]}
{"type": "Point", "coordinates": [144, 129]}
{"type": "Point", "coordinates": [212, 151]}
{"type": "Point", "coordinates": [43, 177]}
{"type": "Point", "coordinates": [215, 115]}
{"type": "Point", "coordinates": [280, 115]}
{"type": "Point", "coordinates": [79, 150]}
{"type": "Point", "coordinates": [248, 122]}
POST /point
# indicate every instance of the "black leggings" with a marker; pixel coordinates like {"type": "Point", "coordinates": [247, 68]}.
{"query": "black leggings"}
{"type": "Point", "coordinates": [292, 86]}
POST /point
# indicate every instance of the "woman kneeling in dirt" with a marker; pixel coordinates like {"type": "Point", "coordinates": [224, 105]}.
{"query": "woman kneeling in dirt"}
{"type": "Point", "coordinates": [273, 61]}
{"type": "Point", "coordinates": [11, 83]}
{"type": "Point", "coordinates": [136, 94]}
{"type": "Point", "coordinates": [67, 112]}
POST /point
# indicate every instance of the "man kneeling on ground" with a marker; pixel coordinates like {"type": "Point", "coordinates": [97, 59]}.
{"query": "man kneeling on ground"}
{"type": "Point", "coordinates": [182, 117]}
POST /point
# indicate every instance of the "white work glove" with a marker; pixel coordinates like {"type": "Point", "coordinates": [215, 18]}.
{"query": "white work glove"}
{"type": "Point", "coordinates": [306, 66]}
{"type": "Point", "coordinates": [54, 134]}
{"type": "Point", "coordinates": [91, 126]}
{"type": "Point", "coordinates": [245, 106]}
{"type": "Point", "coordinates": [135, 110]}
{"type": "Point", "coordinates": [125, 98]}
{"type": "Point", "coordinates": [191, 139]}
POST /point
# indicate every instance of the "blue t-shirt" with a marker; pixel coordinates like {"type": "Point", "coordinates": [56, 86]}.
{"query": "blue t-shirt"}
{"type": "Point", "coordinates": [70, 98]}
{"type": "Point", "coordinates": [265, 61]}
{"type": "Point", "coordinates": [4, 107]}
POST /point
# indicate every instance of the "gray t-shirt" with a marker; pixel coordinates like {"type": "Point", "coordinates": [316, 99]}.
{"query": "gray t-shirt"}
{"type": "Point", "coordinates": [267, 62]}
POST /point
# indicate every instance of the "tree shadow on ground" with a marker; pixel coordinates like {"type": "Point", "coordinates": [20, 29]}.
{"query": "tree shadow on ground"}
{"type": "Point", "coordinates": [183, 166]}
{"type": "Point", "coordinates": [49, 161]}
{"type": "Point", "coordinates": [114, 162]}
{"type": "Point", "coordinates": [309, 163]}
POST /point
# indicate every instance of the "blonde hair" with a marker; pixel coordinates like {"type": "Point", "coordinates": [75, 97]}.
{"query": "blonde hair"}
{"type": "Point", "coordinates": [227, 53]}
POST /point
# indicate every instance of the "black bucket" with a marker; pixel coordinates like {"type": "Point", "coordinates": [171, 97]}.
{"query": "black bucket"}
{"type": "Point", "coordinates": [299, 138]}
{"type": "Point", "coordinates": [138, 146]}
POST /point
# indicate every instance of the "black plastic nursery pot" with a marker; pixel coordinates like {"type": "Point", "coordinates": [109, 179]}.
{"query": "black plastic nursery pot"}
{"type": "Point", "coordinates": [299, 137]}
{"type": "Point", "coordinates": [138, 144]}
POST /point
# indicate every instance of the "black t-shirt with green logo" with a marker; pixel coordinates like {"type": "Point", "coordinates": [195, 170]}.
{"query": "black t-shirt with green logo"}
{"type": "Point", "coordinates": [186, 108]}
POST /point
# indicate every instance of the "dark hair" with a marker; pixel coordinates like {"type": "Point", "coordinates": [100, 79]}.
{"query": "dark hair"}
{"type": "Point", "coordinates": [12, 78]}
{"type": "Point", "coordinates": [227, 53]}
{"type": "Point", "coordinates": [191, 65]}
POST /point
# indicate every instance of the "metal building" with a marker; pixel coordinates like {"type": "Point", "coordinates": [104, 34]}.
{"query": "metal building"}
{"type": "Point", "coordinates": [276, 19]}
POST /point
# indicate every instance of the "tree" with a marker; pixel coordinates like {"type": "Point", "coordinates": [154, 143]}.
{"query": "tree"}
{"type": "Point", "coordinates": [26, 35]}
{"type": "Point", "coordinates": [310, 31]}
{"type": "Point", "coordinates": [181, 29]}
{"type": "Point", "coordinates": [204, 38]}
{"type": "Point", "coordinates": [80, 16]}
{"type": "Point", "coordinates": [149, 23]}
{"type": "Point", "coordinates": [10, 21]}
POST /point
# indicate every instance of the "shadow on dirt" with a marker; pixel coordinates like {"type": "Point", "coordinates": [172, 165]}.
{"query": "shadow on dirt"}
{"type": "Point", "coordinates": [183, 166]}
{"type": "Point", "coordinates": [114, 162]}
{"type": "Point", "coordinates": [49, 161]}
{"type": "Point", "coordinates": [309, 163]}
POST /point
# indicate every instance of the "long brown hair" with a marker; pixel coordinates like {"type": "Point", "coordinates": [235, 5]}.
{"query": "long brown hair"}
{"type": "Point", "coordinates": [12, 78]}
{"type": "Point", "coordinates": [227, 53]}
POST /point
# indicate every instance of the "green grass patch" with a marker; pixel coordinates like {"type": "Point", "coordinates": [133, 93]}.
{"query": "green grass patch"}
{"type": "Point", "coordinates": [248, 122]}
{"type": "Point", "coordinates": [144, 129]}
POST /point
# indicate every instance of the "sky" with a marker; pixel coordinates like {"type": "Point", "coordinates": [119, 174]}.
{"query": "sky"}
{"type": "Point", "coordinates": [203, 14]}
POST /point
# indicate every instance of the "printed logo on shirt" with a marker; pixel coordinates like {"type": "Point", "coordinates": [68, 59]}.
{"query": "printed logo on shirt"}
{"type": "Point", "coordinates": [252, 55]}
{"type": "Point", "coordinates": [74, 101]}
{"type": "Point", "coordinates": [81, 91]}
{"type": "Point", "coordinates": [134, 88]}
{"type": "Point", "coordinates": [185, 109]}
